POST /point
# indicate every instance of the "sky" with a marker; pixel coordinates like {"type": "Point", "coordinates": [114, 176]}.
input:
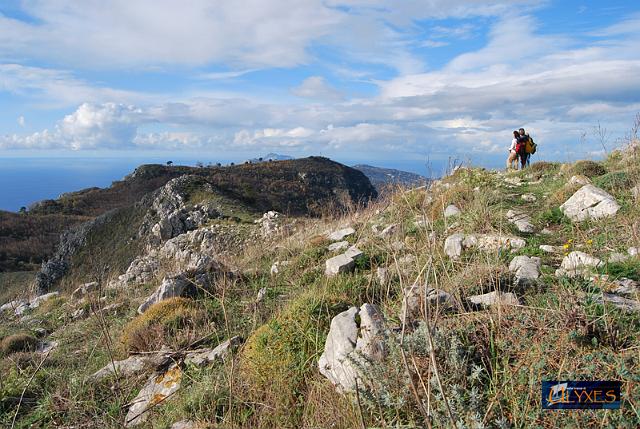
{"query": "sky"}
{"type": "Point", "coordinates": [362, 80]}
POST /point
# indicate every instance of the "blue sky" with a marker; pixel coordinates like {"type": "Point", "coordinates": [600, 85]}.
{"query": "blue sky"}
{"type": "Point", "coordinates": [361, 80]}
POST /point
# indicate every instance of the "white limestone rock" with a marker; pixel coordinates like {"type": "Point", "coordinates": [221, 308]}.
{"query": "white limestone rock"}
{"type": "Point", "coordinates": [340, 245]}
{"type": "Point", "coordinates": [341, 234]}
{"type": "Point", "coordinates": [171, 287]}
{"type": "Point", "coordinates": [451, 211]}
{"type": "Point", "coordinates": [208, 356]}
{"type": "Point", "coordinates": [85, 289]}
{"type": "Point", "coordinates": [159, 388]}
{"type": "Point", "coordinates": [579, 179]}
{"type": "Point", "coordinates": [589, 202]}
{"type": "Point", "coordinates": [530, 198]}
{"type": "Point", "coordinates": [494, 298]}
{"type": "Point", "coordinates": [347, 341]}
{"type": "Point", "coordinates": [577, 263]}
{"type": "Point", "coordinates": [521, 220]}
{"type": "Point", "coordinates": [526, 269]}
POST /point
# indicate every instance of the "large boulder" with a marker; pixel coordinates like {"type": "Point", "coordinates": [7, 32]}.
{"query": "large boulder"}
{"type": "Point", "coordinates": [590, 202]}
{"type": "Point", "coordinates": [354, 334]}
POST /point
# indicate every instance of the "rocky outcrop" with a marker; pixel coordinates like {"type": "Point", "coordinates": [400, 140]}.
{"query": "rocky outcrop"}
{"type": "Point", "coordinates": [589, 202]}
{"type": "Point", "coordinates": [158, 388]}
{"type": "Point", "coordinates": [270, 223]}
{"type": "Point", "coordinates": [356, 331]}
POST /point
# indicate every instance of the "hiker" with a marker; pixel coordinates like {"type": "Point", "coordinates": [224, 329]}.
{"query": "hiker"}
{"type": "Point", "coordinates": [523, 139]}
{"type": "Point", "coordinates": [530, 146]}
{"type": "Point", "coordinates": [512, 160]}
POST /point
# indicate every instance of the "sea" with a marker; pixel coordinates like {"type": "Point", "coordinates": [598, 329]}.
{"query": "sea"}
{"type": "Point", "coordinates": [26, 180]}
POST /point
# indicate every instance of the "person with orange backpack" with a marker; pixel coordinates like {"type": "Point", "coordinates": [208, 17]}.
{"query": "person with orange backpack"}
{"type": "Point", "coordinates": [521, 148]}
{"type": "Point", "coordinates": [530, 147]}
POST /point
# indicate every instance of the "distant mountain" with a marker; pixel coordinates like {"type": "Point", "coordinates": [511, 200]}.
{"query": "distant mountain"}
{"type": "Point", "coordinates": [272, 157]}
{"type": "Point", "coordinates": [382, 177]}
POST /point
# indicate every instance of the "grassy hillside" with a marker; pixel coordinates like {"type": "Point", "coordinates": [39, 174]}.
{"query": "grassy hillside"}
{"type": "Point", "coordinates": [485, 366]}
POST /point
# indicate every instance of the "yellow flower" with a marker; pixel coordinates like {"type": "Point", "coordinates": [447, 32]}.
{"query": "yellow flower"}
{"type": "Point", "coordinates": [589, 242]}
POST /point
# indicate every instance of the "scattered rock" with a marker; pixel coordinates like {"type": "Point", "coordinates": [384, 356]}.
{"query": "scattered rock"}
{"type": "Point", "coordinates": [35, 302]}
{"type": "Point", "coordinates": [577, 263]}
{"type": "Point", "coordinates": [635, 191]}
{"type": "Point", "coordinates": [589, 202]}
{"type": "Point", "coordinates": [453, 245]}
{"type": "Point", "coordinates": [171, 287]}
{"type": "Point", "coordinates": [346, 340]}
{"type": "Point", "coordinates": [46, 347]}
{"type": "Point", "coordinates": [625, 286]}
{"type": "Point", "coordinates": [80, 313]}
{"type": "Point", "coordinates": [515, 181]}
{"type": "Point", "coordinates": [133, 365]}
{"type": "Point", "coordinates": [14, 305]}
{"type": "Point", "coordinates": [84, 290]}
{"type": "Point", "coordinates": [419, 297]}
{"type": "Point", "coordinates": [451, 211]}
{"type": "Point", "coordinates": [550, 249]}
{"type": "Point", "coordinates": [262, 293]}
{"type": "Point", "coordinates": [340, 245]}
{"type": "Point", "coordinates": [158, 388]}
{"type": "Point", "coordinates": [494, 298]}
{"type": "Point", "coordinates": [530, 198]}
{"type": "Point", "coordinates": [632, 251]}
{"type": "Point", "coordinates": [275, 268]}
{"type": "Point", "coordinates": [341, 234]}
{"type": "Point", "coordinates": [270, 223]}
{"type": "Point", "coordinates": [617, 257]}
{"type": "Point", "coordinates": [342, 263]}
{"type": "Point", "coordinates": [546, 231]}
{"type": "Point", "coordinates": [521, 220]}
{"type": "Point", "coordinates": [389, 231]}
{"type": "Point", "coordinates": [383, 275]}
{"type": "Point", "coordinates": [625, 304]}
{"type": "Point", "coordinates": [579, 179]}
{"type": "Point", "coordinates": [526, 269]}
{"type": "Point", "coordinates": [208, 356]}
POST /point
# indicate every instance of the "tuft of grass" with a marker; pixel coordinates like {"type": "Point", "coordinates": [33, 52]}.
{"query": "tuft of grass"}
{"type": "Point", "coordinates": [18, 343]}
{"type": "Point", "coordinates": [171, 322]}
{"type": "Point", "coordinates": [588, 168]}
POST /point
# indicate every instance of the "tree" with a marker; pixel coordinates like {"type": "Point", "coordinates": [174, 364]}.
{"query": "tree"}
{"type": "Point", "coordinates": [23, 210]}
{"type": "Point", "coordinates": [169, 163]}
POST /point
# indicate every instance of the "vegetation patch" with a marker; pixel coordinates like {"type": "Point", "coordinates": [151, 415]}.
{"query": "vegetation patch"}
{"type": "Point", "coordinates": [588, 168]}
{"type": "Point", "coordinates": [172, 322]}
{"type": "Point", "coordinates": [18, 343]}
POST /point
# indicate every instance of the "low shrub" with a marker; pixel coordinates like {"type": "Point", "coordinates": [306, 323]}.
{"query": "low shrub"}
{"type": "Point", "coordinates": [171, 322]}
{"type": "Point", "coordinates": [614, 181]}
{"type": "Point", "coordinates": [589, 168]}
{"type": "Point", "coordinates": [18, 343]}
{"type": "Point", "coordinates": [543, 166]}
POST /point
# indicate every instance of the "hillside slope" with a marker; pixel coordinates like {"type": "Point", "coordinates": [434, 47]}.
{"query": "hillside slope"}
{"type": "Point", "coordinates": [446, 305]}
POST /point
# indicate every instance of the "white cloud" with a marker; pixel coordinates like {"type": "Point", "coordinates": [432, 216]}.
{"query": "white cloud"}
{"type": "Point", "coordinates": [317, 87]}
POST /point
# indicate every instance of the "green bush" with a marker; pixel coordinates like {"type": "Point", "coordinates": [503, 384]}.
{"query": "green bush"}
{"type": "Point", "coordinates": [614, 181]}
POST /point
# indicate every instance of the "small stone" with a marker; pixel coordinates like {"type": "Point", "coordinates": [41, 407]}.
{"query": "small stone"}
{"type": "Point", "coordinates": [624, 286]}
{"type": "Point", "coordinates": [171, 287]}
{"type": "Point", "coordinates": [546, 231]}
{"type": "Point", "coordinates": [262, 293]}
{"type": "Point", "coordinates": [453, 245]}
{"type": "Point", "coordinates": [632, 251]}
{"type": "Point", "coordinates": [383, 275]}
{"type": "Point", "coordinates": [35, 302]}
{"type": "Point", "coordinates": [419, 295]}
{"type": "Point", "coordinates": [579, 180]}
{"type": "Point", "coordinates": [451, 211]}
{"type": "Point", "coordinates": [625, 304]}
{"type": "Point", "coordinates": [85, 289]}
{"type": "Point", "coordinates": [530, 198]}
{"type": "Point", "coordinates": [494, 298]}
{"type": "Point", "coordinates": [577, 263]}
{"type": "Point", "coordinates": [46, 347]}
{"type": "Point", "coordinates": [275, 268]}
{"type": "Point", "coordinates": [340, 245]}
{"type": "Point", "coordinates": [208, 356]}
{"type": "Point", "coordinates": [617, 257]}
{"type": "Point", "coordinates": [353, 252]}
{"type": "Point", "coordinates": [339, 264]}
{"type": "Point", "coordinates": [388, 231]}
{"type": "Point", "coordinates": [526, 269]}
{"type": "Point", "coordinates": [341, 234]}
{"type": "Point", "coordinates": [521, 220]}
{"type": "Point", "coordinates": [549, 249]}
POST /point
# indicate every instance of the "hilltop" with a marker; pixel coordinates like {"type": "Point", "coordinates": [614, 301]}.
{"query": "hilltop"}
{"type": "Point", "coordinates": [279, 299]}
